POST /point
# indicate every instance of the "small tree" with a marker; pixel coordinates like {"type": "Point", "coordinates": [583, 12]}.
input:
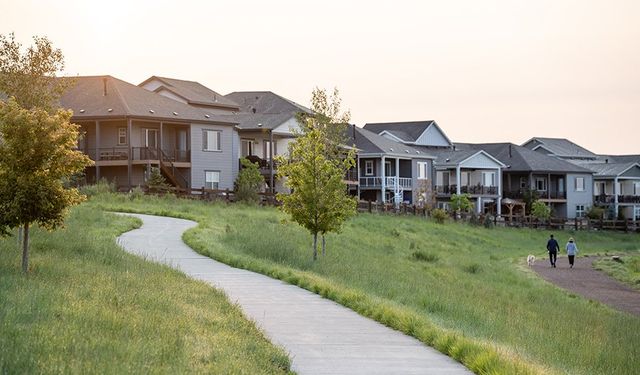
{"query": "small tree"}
{"type": "Point", "coordinates": [36, 156]}
{"type": "Point", "coordinates": [425, 196]}
{"type": "Point", "coordinates": [249, 182]}
{"type": "Point", "coordinates": [541, 211]}
{"type": "Point", "coordinates": [460, 203]}
{"type": "Point", "coordinates": [156, 182]}
{"type": "Point", "coordinates": [529, 197]}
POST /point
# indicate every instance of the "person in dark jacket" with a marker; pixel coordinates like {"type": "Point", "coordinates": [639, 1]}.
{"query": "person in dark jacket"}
{"type": "Point", "coordinates": [553, 248]}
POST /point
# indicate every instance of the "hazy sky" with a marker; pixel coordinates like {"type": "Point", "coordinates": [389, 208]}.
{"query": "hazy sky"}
{"type": "Point", "coordinates": [484, 70]}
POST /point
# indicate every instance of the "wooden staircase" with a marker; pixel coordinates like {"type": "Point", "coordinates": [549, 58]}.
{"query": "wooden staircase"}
{"type": "Point", "coordinates": [171, 172]}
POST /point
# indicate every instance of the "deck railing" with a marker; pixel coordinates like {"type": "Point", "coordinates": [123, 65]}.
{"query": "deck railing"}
{"type": "Point", "coordinates": [473, 190]}
{"type": "Point", "coordinates": [390, 182]}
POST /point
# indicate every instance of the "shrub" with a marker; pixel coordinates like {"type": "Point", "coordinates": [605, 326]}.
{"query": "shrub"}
{"type": "Point", "coordinates": [461, 203]}
{"type": "Point", "coordinates": [488, 221]}
{"type": "Point", "coordinates": [439, 215]}
{"type": "Point", "coordinates": [474, 219]}
{"type": "Point", "coordinates": [424, 256]}
{"type": "Point", "coordinates": [595, 213]}
{"type": "Point", "coordinates": [136, 193]}
{"type": "Point", "coordinates": [540, 211]}
{"type": "Point", "coordinates": [101, 187]}
{"type": "Point", "coordinates": [248, 182]}
{"type": "Point", "coordinates": [157, 183]}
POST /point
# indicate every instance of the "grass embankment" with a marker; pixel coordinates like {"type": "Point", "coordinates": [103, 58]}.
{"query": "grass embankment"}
{"type": "Point", "coordinates": [626, 269]}
{"type": "Point", "coordinates": [89, 307]}
{"type": "Point", "coordinates": [464, 290]}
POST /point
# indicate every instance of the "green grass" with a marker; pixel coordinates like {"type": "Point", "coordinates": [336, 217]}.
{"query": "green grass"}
{"type": "Point", "coordinates": [89, 307]}
{"type": "Point", "coordinates": [464, 290]}
{"type": "Point", "coordinates": [626, 269]}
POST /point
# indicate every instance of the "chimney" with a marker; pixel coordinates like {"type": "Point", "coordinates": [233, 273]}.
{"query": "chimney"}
{"type": "Point", "coordinates": [509, 149]}
{"type": "Point", "coordinates": [354, 133]}
{"type": "Point", "coordinates": [104, 86]}
{"type": "Point", "coordinates": [606, 161]}
{"type": "Point", "coordinates": [253, 109]}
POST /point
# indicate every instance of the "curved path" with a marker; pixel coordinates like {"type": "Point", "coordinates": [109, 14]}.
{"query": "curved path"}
{"type": "Point", "coordinates": [321, 336]}
{"type": "Point", "coordinates": [583, 279]}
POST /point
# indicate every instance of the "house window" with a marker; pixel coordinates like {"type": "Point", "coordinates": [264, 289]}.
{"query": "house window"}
{"type": "Point", "coordinates": [122, 136]}
{"type": "Point", "coordinates": [580, 211]}
{"type": "Point", "coordinates": [211, 140]}
{"type": "Point", "coordinates": [636, 188]}
{"type": "Point", "coordinates": [423, 170]}
{"type": "Point", "coordinates": [247, 147]}
{"type": "Point", "coordinates": [579, 183]}
{"type": "Point", "coordinates": [488, 179]}
{"type": "Point", "coordinates": [541, 184]}
{"type": "Point", "coordinates": [523, 182]}
{"type": "Point", "coordinates": [266, 150]}
{"type": "Point", "coordinates": [637, 213]}
{"type": "Point", "coordinates": [600, 188]}
{"type": "Point", "coordinates": [368, 167]}
{"type": "Point", "coordinates": [211, 179]}
{"type": "Point", "coordinates": [387, 168]}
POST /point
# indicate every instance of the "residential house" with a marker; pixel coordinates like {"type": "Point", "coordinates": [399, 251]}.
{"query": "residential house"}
{"type": "Point", "coordinates": [388, 171]}
{"type": "Point", "coordinates": [559, 147]}
{"type": "Point", "coordinates": [472, 172]}
{"type": "Point", "coordinates": [127, 130]}
{"type": "Point", "coordinates": [565, 187]}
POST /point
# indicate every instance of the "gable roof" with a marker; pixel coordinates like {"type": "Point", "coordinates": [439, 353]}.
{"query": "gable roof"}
{"type": "Point", "coordinates": [620, 158]}
{"type": "Point", "coordinates": [192, 92]}
{"type": "Point", "coordinates": [453, 158]}
{"type": "Point", "coordinates": [609, 169]}
{"type": "Point", "coordinates": [522, 159]}
{"type": "Point", "coordinates": [265, 102]}
{"type": "Point", "coordinates": [561, 147]}
{"type": "Point", "coordinates": [370, 143]}
{"type": "Point", "coordinates": [95, 97]}
{"type": "Point", "coordinates": [408, 131]}
{"type": "Point", "coordinates": [255, 121]}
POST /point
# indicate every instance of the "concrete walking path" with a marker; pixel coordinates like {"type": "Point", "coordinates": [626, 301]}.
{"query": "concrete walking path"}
{"type": "Point", "coordinates": [320, 336]}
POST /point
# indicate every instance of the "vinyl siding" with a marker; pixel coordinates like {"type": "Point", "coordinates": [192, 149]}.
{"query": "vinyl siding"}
{"type": "Point", "coordinates": [574, 197]}
{"type": "Point", "coordinates": [222, 161]}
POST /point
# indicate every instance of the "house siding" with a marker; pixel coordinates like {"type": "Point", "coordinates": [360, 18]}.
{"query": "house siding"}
{"type": "Point", "coordinates": [574, 197]}
{"type": "Point", "coordinates": [222, 161]}
{"type": "Point", "coordinates": [432, 137]}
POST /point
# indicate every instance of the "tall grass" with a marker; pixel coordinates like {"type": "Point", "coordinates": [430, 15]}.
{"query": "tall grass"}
{"type": "Point", "coordinates": [89, 307]}
{"type": "Point", "coordinates": [464, 290]}
{"type": "Point", "coordinates": [626, 268]}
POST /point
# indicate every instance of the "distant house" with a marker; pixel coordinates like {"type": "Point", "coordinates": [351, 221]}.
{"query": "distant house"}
{"type": "Point", "coordinates": [388, 171]}
{"type": "Point", "coordinates": [473, 172]}
{"type": "Point", "coordinates": [616, 177]}
{"type": "Point", "coordinates": [128, 129]}
{"type": "Point", "coordinates": [567, 188]}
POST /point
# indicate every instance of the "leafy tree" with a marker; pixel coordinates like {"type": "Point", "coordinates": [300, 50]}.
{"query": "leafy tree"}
{"type": "Point", "coordinates": [248, 182]}
{"type": "Point", "coordinates": [30, 77]}
{"type": "Point", "coordinates": [36, 156]}
{"type": "Point", "coordinates": [529, 196]}
{"type": "Point", "coordinates": [540, 210]}
{"type": "Point", "coordinates": [460, 203]}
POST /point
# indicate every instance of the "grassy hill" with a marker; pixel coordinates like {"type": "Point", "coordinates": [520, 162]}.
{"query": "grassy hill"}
{"type": "Point", "coordinates": [464, 290]}
{"type": "Point", "coordinates": [89, 307]}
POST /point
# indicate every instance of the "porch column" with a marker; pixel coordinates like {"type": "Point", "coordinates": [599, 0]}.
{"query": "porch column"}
{"type": "Point", "coordinates": [479, 205]}
{"type": "Point", "coordinates": [271, 161]}
{"type": "Point", "coordinates": [358, 174]}
{"type": "Point", "coordinates": [97, 151]}
{"type": "Point", "coordinates": [499, 199]}
{"type": "Point", "coordinates": [549, 189]}
{"type": "Point", "coordinates": [130, 164]}
{"type": "Point", "coordinates": [162, 144]}
{"type": "Point", "coordinates": [615, 197]}
{"type": "Point", "coordinates": [398, 178]}
{"type": "Point", "coordinates": [458, 180]}
{"type": "Point", "coordinates": [384, 180]}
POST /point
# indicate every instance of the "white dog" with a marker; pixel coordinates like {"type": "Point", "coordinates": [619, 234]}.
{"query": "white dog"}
{"type": "Point", "coordinates": [531, 259]}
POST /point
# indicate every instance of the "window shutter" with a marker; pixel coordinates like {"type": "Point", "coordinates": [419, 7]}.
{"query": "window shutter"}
{"type": "Point", "coordinates": [204, 140]}
{"type": "Point", "coordinates": [219, 135]}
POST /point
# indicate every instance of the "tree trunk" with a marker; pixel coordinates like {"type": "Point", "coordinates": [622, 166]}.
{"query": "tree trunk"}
{"type": "Point", "coordinates": [25, 249]}
{"type": "Point", "coordinates": [323, 247]}
{"type": "Point", "coordinates": [19, 237]}
{"type": "Point", "coordinates": [315, 246]}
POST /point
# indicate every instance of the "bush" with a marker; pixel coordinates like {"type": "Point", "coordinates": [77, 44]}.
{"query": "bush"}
{"type": "Point", "coordinates": [595, 213]}
{"type": "Point", "coordinates": [136, 193]}
{"type": "Point", "coordinates": [248, 182]}
{"type": "Point", "coordinates": [540, 211]}
{"type": "Point", "coordinates": [424, 256]}
{"type": "Point", "coordinates": [439, 215]}
{"type": "Point", "coordinates": [474, 219]}
{"type": "Point", "coordinates": [461, 203]}
{"type": "Point", "coordinates": [488, 221]}
{"type": "Point", "coordinates": [157, 183]}
{"type": "Point", "coordinates": [101, 187]}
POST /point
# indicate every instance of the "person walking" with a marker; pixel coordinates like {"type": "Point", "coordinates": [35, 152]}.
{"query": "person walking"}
{"type": "Point", "coordinates": [572, 250]}
{"type": "Point", "coordinates": [553, 248]}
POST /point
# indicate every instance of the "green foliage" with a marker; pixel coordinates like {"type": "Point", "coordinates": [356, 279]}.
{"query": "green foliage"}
{"type": "Point", "coordinates": [439, 215]}
{"type": "Point", "coordinates": [488, 221]}
{"type": "Point", "coordinates": [136, 193]}
{"type": "Point", "coordinates": [156, 181]}
{"type": "Point", "coordinates": [103, 186]}
{"type": "Point", "coordinates": [424, 256]}
{"type": "Point", "coordinates": [89, 307]}
{"type": "Point", "coordinates": [461, 203]}
{"type": "Point", "coordinates": [529, 196]}
{"type": "Point", "coordinates": [474, 219]}
{"type": "Point", "coordinates": [30, 76]}
{"type": "Point", "coordinates": [595, 213]}
{"type": "Point", "coordinates": [626, 269]}
{"type": "Point", "coordinates": [249, 182]}
{"type": "Point", "coordinates": [540, 211]}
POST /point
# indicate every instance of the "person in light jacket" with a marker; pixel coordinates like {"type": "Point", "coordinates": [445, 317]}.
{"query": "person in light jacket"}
{"type": "Point", "coordinates": [572, 250]}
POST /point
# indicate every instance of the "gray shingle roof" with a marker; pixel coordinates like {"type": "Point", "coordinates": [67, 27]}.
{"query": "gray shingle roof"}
{"type": "Point", "coordinates": [369, 142]}
{"type": "Point", "coordinates": [451, 157]}
{"type": "Point", "coordinates": [408, 131]}
{"type": "Point", "coordinates": [522, 159]}
{"type": "Point", "coordinates": [87, 99]}
{"type": "Point", "coordinates": [265, 102]}
{"type": "Point", "coordinates": [194, 92]}
{"type": "Point", "coordinates": [607, 169]}
{"type": "Point", "coordinates": [564, 148]}
{"type": "Point", "coordinates": [248, 121]}
{"type": "Point", "coordinates": [620, 158]}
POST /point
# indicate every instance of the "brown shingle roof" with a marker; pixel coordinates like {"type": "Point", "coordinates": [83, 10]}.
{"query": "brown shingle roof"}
{"type": "Point", "coordinates": [194, 92]}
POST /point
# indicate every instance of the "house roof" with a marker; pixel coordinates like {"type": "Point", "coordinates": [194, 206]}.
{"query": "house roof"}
{"type": "Point", "coordinates": [193, 92]}
{"type": "Point", "coordinates": [250, 121]}
{"type": "Point", "coordinates": [94, 97]}
{"type": "Point", "coordinates": [522, 159]}
{"type": "Point", "coordinates": [450, 158]}
{"type": "Point", "coordinates": [620, 158]}
{"type": "Point", "coordinates": [265, 102]}
{"type": "Point", "coordinates": [408, 131]}
{"type": "Point", "coordinates": [368, 142]}
{"type": "Point", "coordinates": [609, 169]}
{"type": "Point", "coordinates": [562, 147]}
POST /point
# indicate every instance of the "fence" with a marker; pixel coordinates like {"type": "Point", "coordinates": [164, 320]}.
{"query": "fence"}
{"type": "Point", "coordinates": [225, 195]}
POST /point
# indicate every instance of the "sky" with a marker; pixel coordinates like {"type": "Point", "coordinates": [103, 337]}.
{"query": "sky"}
{"type": "Point", "coordinates": [485, 71]}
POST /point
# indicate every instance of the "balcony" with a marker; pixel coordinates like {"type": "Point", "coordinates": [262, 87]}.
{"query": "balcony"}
{"type": "Point", "coordinates": [445, 190]}
{"type": "Point", "coordinates": [519, 194]}
{"type": "Point", "coordinates": [121, 155]}
{"type": "Point", "coordinates": [610, 199]}
{"type": "Point", "coordinates": [390, 182]}
{"type": "Point", "coordinates": [264, 166]}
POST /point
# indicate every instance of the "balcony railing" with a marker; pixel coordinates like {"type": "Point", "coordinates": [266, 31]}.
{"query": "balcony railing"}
{"type": "Point", "coordinates": [610, 199]}
{"type": "Point", "coordinates": [519, 194]}
{"type": "Point", "coordinates": [472, 190]}
{"type": "Point", "coordinates": [390, 182]}
{"type": "Point", "coordinates": [351, 176]}
{"type": "Point", "coordinates": [138, 153]}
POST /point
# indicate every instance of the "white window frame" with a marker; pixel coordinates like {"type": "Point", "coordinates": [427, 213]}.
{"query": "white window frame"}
{"type": "Point", "coordinates": [368, 164]}
{"type": "Point", "coordinates": [423, 170]}
{"type": "Point", "coordinates": [580, 211]}
{"type": "Point", "coordinates": [579, 183]}
{"type": "Point", "coordinates": [523, 182]}
{"type": "Point", "coordinates": [636, 188]}
{"type": "Point", "coordinates": [387, 162]}
{"type": "Point", "coordinates": [209, 182]}
{"type": "Point", "coordinates": [122, 137]}
{"type": "Point", "coordinates": [544, 183]}
{"type": "Point", "coordinates": [217, 140]}
{"type": "Point", "coordinates": [493, 178]}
